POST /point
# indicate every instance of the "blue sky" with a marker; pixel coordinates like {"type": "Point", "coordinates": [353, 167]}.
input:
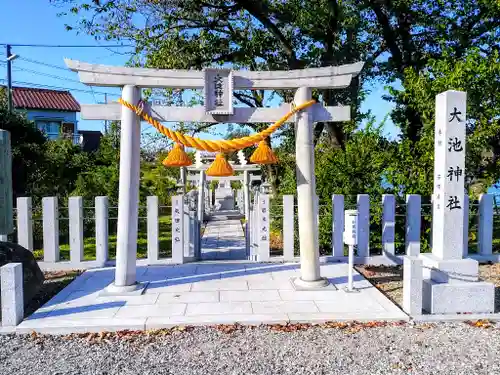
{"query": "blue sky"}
{"type": "Point", "coordinates": [36, 22]}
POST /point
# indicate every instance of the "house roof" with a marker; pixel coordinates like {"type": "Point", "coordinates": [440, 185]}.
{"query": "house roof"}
{"type": "Point", "coordinates": [31, 98]}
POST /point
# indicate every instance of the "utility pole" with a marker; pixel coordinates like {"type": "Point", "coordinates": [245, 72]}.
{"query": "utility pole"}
{"type": "Point", "coordinates": [9, 78]}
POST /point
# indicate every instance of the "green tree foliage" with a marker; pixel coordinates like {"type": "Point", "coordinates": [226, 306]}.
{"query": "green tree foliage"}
{"type": "Point", "coordinates": [391, 36]}
{"type": "Point", "coordinates": [418, 48]}
{"type": "Point", "coordinates": [477, 74]}
{"type": "Point", "coordinates": [28, 151]}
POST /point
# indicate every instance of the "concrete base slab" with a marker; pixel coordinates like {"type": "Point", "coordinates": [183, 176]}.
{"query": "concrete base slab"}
{"type": "Point", "coordinates": [209, 293]}
{"type": "Point", "coordinates": [454, 317]}
{"type": "Point", "coordinates": [67, 326]}
{"type": "Point", "coordinates": [465, 297]}
{"type": "Point", "coordinates": [122, 291]}
{"type": "Point", "coordinates": [449, 271]}
{"type": "Point", "coordinates": [321, 284]}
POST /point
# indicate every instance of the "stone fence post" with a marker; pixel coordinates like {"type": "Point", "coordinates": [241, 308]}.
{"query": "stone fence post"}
{"type": "Point", "coordinates": [388, 224]}
{"type": "Point", "coordinates": [75, 212]}
{"type": "Point", "coordinates": [485, 229]}
{"type": "Point", "coordinates": [413, 220]}
{"type": "Point", "coordinates": [337, 225]}
{"type": "Point", "coordinates": [50, 213]}
{"type": "Point", "coordinates": [25, 222]}
{"type": "Point", "coordinates": [363, 225]}
{"type": "Point", "coordinates": [288, 227]}
{"type": "Point", "coordinates": [11, 280]}
{"type": "Point", "coordinates": [153, 236]}
{"type": "Point", "coordinates": [101, 229]}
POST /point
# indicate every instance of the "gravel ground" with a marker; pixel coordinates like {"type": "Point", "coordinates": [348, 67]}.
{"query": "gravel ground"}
{"type": "Point", "coordinates": [394, 349]}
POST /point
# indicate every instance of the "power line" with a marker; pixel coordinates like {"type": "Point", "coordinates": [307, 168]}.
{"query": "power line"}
{"type": "Point", "coordinates": [93, 95]}
{"type": "Point", "coordinates": [46, 74]}
{"type": "Point", "coordinates": [38, 85]}
{"type": "Point", "coordinates": [68, 45]}
{"type": "Point", "coordinates": [43, 63]}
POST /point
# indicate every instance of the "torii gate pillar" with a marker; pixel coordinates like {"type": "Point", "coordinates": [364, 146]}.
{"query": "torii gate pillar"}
{"type": "Point", "coordinates": [306, 193]}
{"type": "Point", "coordinates": [128, 196]}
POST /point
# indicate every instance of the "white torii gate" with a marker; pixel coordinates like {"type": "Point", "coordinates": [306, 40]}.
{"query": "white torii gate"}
{"type": "Point", "coordinates": [133, 79]}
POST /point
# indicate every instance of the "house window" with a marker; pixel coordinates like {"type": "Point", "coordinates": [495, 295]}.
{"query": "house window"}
{"type": "Point", "coordinates": [49, 128]}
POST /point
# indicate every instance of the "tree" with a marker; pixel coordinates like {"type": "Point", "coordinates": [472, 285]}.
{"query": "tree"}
{"type": "Point", "coordinates": [252, 35]}
{"type": "Point", "coordinates": [102, 178]}
{"type": "Point", "coordinates": [28, 150]}
{"type": "Point", "coordinates": [479, 75]}
{"type": "Point", "coordinates": [399, 40]}
{"type": "Point", "coordinates": [390, 36]}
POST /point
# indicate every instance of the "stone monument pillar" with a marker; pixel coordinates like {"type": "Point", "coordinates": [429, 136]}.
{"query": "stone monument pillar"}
{"type": "Point", "coordinates": [450, 282]}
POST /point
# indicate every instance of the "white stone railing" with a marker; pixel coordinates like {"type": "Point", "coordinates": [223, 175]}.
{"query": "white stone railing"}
{"type": "Point", "coordinates": [261, 251]}
{"type": "Point", "coordinates": [260, 223]}
{"type": "Point", "coordinates": [51, 218]}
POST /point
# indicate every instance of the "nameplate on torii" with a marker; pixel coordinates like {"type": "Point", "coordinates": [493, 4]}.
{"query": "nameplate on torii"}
{"type": "Point", "coordinates": [218, 91]}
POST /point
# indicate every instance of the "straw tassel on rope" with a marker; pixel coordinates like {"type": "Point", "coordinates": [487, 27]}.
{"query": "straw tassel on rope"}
{"type": "Point", "coordinates": [220, 167]}
{"type": "Point", "coordinates": [263, 154]}
{"type": "Point", "coordinates": [177, 157]}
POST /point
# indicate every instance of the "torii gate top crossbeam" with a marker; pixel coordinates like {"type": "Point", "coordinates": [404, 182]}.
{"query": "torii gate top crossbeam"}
{"type": "Point", "coordinates": [104, 75]}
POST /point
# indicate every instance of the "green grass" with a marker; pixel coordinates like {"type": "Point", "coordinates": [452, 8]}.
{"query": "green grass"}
{"type": "Point", "coordinates": [89, 248]}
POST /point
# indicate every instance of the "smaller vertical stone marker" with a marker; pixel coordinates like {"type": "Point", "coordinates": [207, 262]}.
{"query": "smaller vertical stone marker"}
{"type": "Point", "coordinates": [11, 279]}
{"type": "Point", "coordinates": [178, 229]}
{"type": "Point", "coordinates": [263, 229]}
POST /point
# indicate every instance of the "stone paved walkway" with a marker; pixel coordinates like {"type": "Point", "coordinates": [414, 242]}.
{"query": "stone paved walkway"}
{"type": "Point", "coordinates": [223, 240]}
{"type": "Point", "coordinates": [209, 293]}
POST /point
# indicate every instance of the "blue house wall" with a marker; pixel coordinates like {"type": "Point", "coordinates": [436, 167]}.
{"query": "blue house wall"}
{"type": "Point", "coordinates": [52, 115]}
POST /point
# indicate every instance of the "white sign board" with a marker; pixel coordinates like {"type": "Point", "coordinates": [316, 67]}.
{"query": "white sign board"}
{"type": "Point", "coordinates": [218, 91]}
{"type": "Point", "coordinates": [351, 227]}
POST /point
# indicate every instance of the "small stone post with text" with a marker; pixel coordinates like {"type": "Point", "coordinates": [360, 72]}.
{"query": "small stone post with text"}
{"type": "Point", "coordinates": [451, 283]}
{"type": "Point", "coordinates": [178, 229]}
